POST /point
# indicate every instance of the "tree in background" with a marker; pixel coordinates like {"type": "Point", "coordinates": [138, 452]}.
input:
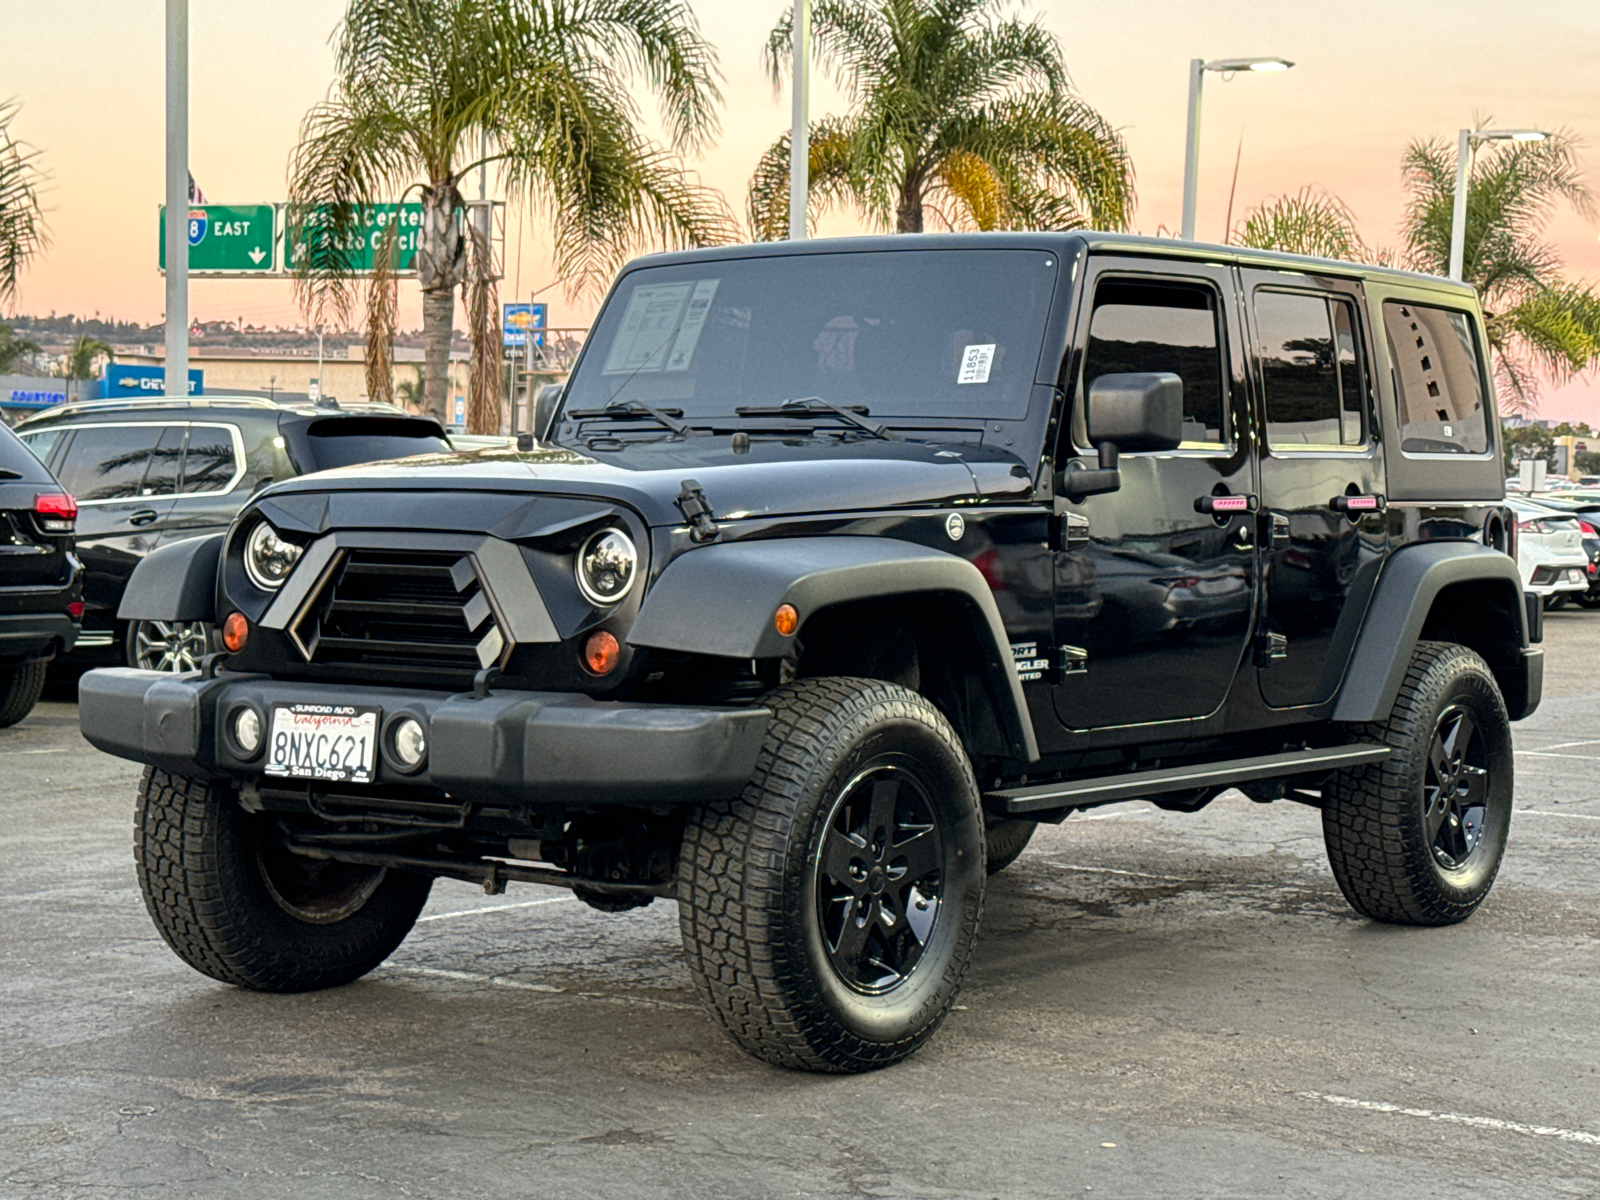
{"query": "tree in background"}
{"type": "Point", "coordinates": [16, 353]}
{"type": "Point", "coordinates": [1312, 221]}
{"type": "Point", "coordinates": [1528, 443]}
{"type": "Point", "coordinates": [1535, 317]}
{"type": "Point", "coordinates": [426, 91]}
{"type": "Point", "coordinates": [955, 114]}
{"type": "Point", "coordinates": [22, 228]}
{"type": "Point", "coordinates": [84, 355]}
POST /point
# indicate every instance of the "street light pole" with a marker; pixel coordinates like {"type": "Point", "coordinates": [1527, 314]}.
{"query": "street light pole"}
{"type": "Point", "coordinates": [176, 363]}
{"type": "Point", "coordinates": [1191, 153]}
{"type": "Point", "coordinates": [1465, 142]}
{"type": "Point", "coordinates": [800, 131]}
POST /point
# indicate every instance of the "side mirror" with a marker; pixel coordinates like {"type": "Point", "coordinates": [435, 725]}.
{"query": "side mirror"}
{"type": "Point", "coordinates": [544, 409]}
{"type": "Point", "coordinates": [1131, 412]}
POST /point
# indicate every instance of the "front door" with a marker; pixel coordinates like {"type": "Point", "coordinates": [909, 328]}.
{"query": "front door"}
{"type": "Point", "coordinates": [1153, 595]}
{"type": "Point", "coordinates": [1323, 529]}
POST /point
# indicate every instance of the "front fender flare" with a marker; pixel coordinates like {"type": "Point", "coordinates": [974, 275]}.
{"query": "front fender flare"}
{"type": "Point", "coordinates": [177, 582]}
{"type": "Point", "coordinates": [719, 600]}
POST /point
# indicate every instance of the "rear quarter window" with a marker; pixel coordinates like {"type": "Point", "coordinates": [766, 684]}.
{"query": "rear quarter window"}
{"type": "Point", "coordinates": [1438, 379]}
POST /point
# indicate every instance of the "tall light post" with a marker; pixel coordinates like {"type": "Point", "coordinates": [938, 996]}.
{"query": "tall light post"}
{"type": "Point", "coordinates": [800, 131]}
{"type": "Point", "coordinates": [176, 364]}
{"type": "Point", "coordinates": [1467, 139]}
{"type": "Point", "coordinates": [1191, 156]}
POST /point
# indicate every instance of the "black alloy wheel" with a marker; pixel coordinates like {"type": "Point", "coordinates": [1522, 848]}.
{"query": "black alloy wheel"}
{"type": "Point", "coordinates": [878, 878]}
{"type": "Point", "coordinates": [1455, 792]}
{"type": "Point", "coordinates": [830, 911]}
{"type": "Point", "coordinates": [1417, 838]}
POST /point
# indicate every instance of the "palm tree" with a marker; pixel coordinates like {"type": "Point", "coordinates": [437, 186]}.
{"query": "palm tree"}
{"type": "Point", "coordinates": [426, 91]}
{"type": "Point", "coordinates": [955, 114]}
{"type": "Point", "coordinates": [1535, 317]}
{"type": "Point", "coordinates": [22, 229]}
{"type": "Point", "coordinates": [1311, 221]}
{"type": "Point", "coordinates": [15, 351]}
{"type": "Point", "coordinates": [82, 355]}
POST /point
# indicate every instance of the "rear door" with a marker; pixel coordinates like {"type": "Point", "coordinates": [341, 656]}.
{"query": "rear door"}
{"type": "Point", "coordinates": [104, 467]}
{"type": "Point", "coordinates": [1323, 529]}
{"type": "Point", "coordinates": [1154, 596]}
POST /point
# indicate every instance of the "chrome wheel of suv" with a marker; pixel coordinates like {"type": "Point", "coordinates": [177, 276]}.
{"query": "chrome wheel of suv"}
{"type": "Point", "coordinates": [169, 645]}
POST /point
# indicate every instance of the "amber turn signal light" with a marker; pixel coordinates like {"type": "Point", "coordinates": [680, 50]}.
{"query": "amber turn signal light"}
{"type": "Point", "coordinates": [786, 620]}
{"type": "Point", "coordinates": [235, 632]}
{"type": "Point", "coordinates": [601, 652]}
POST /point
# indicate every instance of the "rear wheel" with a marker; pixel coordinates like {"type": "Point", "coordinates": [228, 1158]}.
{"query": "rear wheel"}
{"type": "Point", "coordinates": [237, 906]}
{"type": "Point", "coordinates": [1588, 599]}
{"type": "Point", "coordinates": [169, 645]}
{"type": "Point", "coordinates": [1417, 839]}
{"type": "Point", "coordinates": [20, 688]}
{"type": "Point", "coordinates": [829, 912]}
{"type": "Point", "coordinates": [1555, 601]}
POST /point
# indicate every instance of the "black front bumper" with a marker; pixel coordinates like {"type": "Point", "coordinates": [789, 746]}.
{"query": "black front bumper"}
{"type": "Point", "coordinates": [36, 634]}
{"type": "Point", "coordinates": [528, 748]}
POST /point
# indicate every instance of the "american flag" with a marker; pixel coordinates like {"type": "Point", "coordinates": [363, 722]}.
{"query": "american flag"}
{"type": "Point", "coordinates": [196, 196]}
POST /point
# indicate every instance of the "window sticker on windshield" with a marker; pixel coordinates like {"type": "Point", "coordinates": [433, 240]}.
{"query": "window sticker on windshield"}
{"type": "Point", "coordinates": [694, 321]}
{"type": "Point", "coordinates": [648, 325]}
{"type": "Point", "coordinates": [975, 364]}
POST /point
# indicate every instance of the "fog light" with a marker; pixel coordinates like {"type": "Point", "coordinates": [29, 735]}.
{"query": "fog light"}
{"type": "Point", "coordinates": [601, 652]}
{"type": "Point", "coordinates": [410, 743]}
{"type": "Point", "coordinates": [247, 730]}
{"type": "Point", "coordinates": [235, 632]}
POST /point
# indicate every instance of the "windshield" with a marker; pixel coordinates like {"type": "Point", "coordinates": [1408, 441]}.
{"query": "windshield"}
{"type": "Point", "coordinates": [906, 333]}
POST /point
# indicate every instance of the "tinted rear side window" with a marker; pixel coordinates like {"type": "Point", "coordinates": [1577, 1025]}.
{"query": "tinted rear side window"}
{"type": "Point", "coordinates": [1309, 370]}
{"type": "Point", "coordinates": [1138, 326]}
{"type": "Point", "coordinates": [346, 441]}
{"type": "Point", "coordinates": [209, 464]}
{"type": "Point", "coordinates": [108, 462]}
{"type": "Point", "coordinates": [161, 479]}
{"type": "Point", "coordinates": [19, 462]}
{"type": "Point", "coordinates": [1438, 380]}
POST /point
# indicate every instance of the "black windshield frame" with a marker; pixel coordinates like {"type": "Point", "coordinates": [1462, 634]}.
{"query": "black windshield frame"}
{"type": "Point", "coordinates": [912, 335]}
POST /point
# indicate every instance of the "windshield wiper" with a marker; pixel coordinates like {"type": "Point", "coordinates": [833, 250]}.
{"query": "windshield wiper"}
{"type": "Point", "coordinates": [816, 406]}
{"type": "Point", "coordinates": [620, 409]}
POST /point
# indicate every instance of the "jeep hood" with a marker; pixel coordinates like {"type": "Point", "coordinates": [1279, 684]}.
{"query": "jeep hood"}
{"type": "Point", "coordinates": [773, 478]}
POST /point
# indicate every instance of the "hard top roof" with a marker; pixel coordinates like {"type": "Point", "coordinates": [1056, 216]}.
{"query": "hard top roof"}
{"type": "Point", "coordinates": [1062, 243]}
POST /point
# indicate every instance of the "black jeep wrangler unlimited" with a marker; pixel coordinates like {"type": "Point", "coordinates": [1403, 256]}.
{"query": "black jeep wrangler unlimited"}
{"type": "Point", "coordinates": [840, 566]}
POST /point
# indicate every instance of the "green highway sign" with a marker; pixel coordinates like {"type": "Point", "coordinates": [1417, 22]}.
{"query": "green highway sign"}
{"type": "Point", "coordinates": [377, 224]}
{"type": "Point", "coordinates": [233, 239]}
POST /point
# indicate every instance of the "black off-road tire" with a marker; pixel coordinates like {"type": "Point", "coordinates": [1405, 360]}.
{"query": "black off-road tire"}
{"type": "Point", "coordinates": [1005, 840]}
{"type": "Point", "coordinates": [201, 862]}
{"type": "Point", "coordinates": [1373, 817]}
{"type": "Point", "coordinates": [21, 686]}
{"type": "Point", "coordinates": [752, 880]}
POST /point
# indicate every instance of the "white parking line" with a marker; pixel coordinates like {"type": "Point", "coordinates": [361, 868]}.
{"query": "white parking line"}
{"type": "Point", "coordinates": [470, 977]}
{"type": "Point", "coordinates": [1570, 745]}
{"type": "Point", "coordinates": [1450, 1118]}
{"type": "Point", "coordinates": [1548, 754]}
{"type": "Point", "coordinates": [1539, 812]}
{"type": "Point", "coordinates": [472, 912]}
{"type": "Point", "coordinates": [1111, 871]}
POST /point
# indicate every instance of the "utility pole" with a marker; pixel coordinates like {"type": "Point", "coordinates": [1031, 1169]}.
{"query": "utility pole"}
{"type": "Point", "coordinates": [800, 133]}
{"type": "Point", "coordinates": [177, 232]}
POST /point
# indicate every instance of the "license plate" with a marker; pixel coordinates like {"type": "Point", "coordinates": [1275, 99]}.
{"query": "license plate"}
{"type": "Point", "coordinates": [334, 742]}
{"type": "Point", "coordinates": [1576, 577]}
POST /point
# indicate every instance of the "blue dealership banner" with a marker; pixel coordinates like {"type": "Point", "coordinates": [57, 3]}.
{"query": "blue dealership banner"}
{"type": "Point", "coordinates": [122, 380]}
{"type": "Point", "coordinates": [520, 323]}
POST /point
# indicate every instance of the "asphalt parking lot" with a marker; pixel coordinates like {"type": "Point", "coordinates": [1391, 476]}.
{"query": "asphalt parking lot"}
{"type": "Point", "coordinates": [1161, 1006]}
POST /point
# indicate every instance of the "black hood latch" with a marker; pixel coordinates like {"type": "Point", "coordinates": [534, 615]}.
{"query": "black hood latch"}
{"type": "Point", "coordinates": [697, 511]}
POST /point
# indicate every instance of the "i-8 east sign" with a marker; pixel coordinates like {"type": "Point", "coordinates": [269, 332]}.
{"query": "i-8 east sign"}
{"type": "Point", "coordinates": [235, 239]}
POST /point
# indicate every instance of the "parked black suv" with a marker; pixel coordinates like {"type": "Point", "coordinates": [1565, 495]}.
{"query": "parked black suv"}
{"type": "Point", "coordinates": [150, 472]}
{"type": "Point", "coordinates": [41, 579]}
{"type": "Point", "coordinates": [837, 556]}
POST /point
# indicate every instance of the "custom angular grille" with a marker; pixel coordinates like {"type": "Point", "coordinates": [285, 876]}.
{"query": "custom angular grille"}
{"type": "Point", "coordinates": [419, 612]}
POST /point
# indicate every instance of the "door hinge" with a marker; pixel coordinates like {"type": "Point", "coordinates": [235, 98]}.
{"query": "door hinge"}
{"type": "Point", "coordinates": [1280, 531]}
{"type": "Point", "coordinates": [1271, 648]}
{"type": "Point", "coordinates": [1074, 531]}
{"type": "Point", "coordinates": [1071, 660]}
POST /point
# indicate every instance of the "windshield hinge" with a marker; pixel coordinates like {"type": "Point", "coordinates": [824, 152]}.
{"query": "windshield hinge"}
{"type": "Point", "coordinates": [697, 511]}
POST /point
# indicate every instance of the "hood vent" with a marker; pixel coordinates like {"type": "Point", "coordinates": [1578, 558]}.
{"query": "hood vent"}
{"type": "Point", "coordinates": [421, 614]}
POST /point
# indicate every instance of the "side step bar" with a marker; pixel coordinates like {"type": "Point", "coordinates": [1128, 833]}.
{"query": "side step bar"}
{"type": "Point", "coordinates": [1104, 789]}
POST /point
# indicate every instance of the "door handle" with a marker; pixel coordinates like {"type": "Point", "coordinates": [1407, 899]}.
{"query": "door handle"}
{"type": "Point", "coordinates": [146, 516]}
{"type": "Point", "coordinates": [1357, 504]}
{"type": "Point", "coordinates": [1224, 505]}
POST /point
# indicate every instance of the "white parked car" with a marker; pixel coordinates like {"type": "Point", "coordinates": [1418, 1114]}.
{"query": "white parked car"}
{"type": "Point", "coordinates": [1550, 550]}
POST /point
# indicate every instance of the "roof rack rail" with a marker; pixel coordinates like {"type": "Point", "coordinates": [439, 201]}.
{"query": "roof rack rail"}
{"type": "Point", "coordinates": [114, 403]}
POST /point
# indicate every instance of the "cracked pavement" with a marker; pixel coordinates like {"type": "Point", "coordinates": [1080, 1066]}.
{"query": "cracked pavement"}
{"type": "Point", "coordinates": [1160, 1005]}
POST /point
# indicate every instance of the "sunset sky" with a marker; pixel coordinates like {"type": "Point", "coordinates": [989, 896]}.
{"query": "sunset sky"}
{"type": "Point", "coordinates": [1370, 76]}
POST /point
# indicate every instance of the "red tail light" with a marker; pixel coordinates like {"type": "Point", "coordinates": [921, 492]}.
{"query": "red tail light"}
{"type": "Point", "coordinates": [56, 511]}
{"type": "Point", "coordinates": [1588, 529]}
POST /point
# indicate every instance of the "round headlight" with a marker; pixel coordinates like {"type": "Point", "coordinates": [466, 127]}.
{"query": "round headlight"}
{"type": "Point", "coordinates": [606, 566]}
{"type": "Point", "coordinates": [268, 558]}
